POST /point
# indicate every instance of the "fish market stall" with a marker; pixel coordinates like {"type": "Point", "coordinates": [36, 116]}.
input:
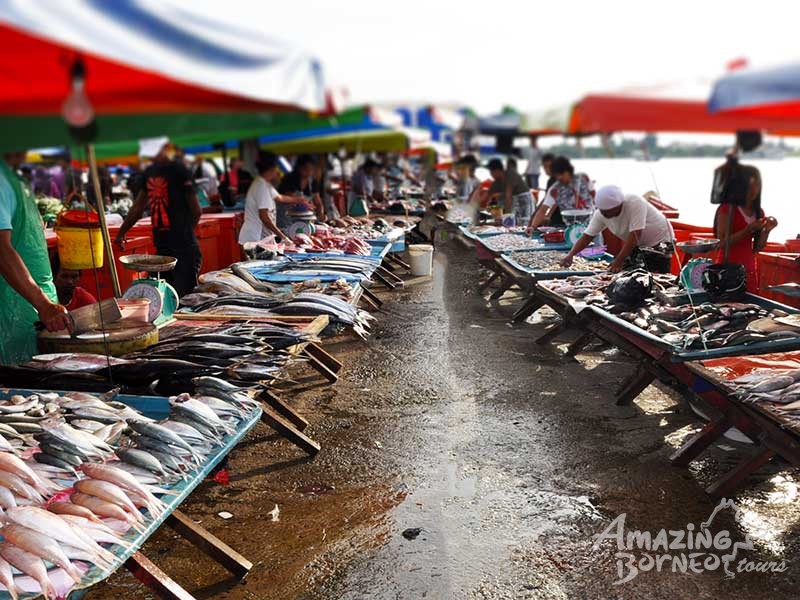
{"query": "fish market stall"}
{"type": "Point", "coordinates": [90, 502]}
{"type": "Point", "coordinates": [759, 396]}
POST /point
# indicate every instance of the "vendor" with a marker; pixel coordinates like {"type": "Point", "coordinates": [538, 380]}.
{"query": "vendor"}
{"type": "Point", "coordinates": [510, 190]}
{"type": "Point", "coordinates": [70, 294]}
{"type": "Point", "coordinates": [647, 236]}
{"type": "Point", "coordinates": [174, 213]}
{"type": "Point", "coordinates": [749, 230]}
{"type": "Point", "coordinates": [27, 293]}
{"type": "Point", "coordinates": [362, 188]}
{"type": "Point", "coordinates": [260, 207]}
{"type": "Point", "coordinates": [467, 183]}
{"type": "Point", "coordinates": [300, 182]}
{"type": "Point", "coordinates": [571, 191]}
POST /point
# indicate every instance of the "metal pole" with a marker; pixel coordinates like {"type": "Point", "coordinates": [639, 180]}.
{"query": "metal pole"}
{"type": "Point", "coordinates": [101, 212]}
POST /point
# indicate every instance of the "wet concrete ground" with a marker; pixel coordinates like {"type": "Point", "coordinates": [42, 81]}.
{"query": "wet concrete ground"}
{"type": "Point", "coordinates": [507, 456]}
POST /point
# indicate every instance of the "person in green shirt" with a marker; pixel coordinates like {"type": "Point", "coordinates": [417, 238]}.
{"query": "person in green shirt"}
{"type": "Point", "coordinates": [27, 292]}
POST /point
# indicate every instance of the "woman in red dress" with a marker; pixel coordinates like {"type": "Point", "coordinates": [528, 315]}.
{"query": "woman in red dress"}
{"type": "Point", "coordinates": [749, 230]}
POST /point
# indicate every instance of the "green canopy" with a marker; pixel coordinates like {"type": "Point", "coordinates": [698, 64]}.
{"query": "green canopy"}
{"type": "Point", "coordinates": [118, 135]}
{"type": "Point", "coordinates": [370, 140]}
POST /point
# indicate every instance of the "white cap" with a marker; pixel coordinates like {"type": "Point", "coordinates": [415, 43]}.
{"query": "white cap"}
{"type": "Point", "coordinates": [608, 197]}
{"type": "Point", "coordinates": [150, 147]}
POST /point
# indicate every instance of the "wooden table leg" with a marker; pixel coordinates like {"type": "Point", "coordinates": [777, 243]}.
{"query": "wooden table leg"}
{"type": "Point", "coordinates": [389, 275]}
{"type": "Point", "coordinates": [320, 367]}
{"type": "Point", "coordinates": [154, 578]}
{"type": "Point", "coordinates": [530, 306]}
{"type": "Point", "coordinates": [505, 284]}
{"type": "Point", "coordinates": [324, 357]}
{"type": "Point", "coordinates": [283, 409]}
{"type": "Point", "coordinates": [289, 431]}
{"type": "Point", "coordinates": [399, 262]}
{"type": "Point", "coordinates": [373, 298]}
{"type": "Point", "coordinates": [579, 344]}
{"type": "Point", "coordinates": [368, 302]}
{"type": "Point", "coordinates": [485, 285]}
{"type": "Point", "coordinates": [726, 484]}
{"type": "Point", "coordinates": [383, 280]}
{"type": "Point", "coordinates": [701, 440]}
{"type": "Point", "coordinates": [551, 332]}
{"type": "Point", "coordinates": [643, 379]}
{"type": "Point", "coordinates": [209, 544]}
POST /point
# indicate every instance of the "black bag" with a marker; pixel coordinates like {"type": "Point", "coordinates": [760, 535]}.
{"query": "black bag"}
{"type": "Point", "coordinates": [630, 288]}
{"type": "Point", "coordinates": [725, 281]}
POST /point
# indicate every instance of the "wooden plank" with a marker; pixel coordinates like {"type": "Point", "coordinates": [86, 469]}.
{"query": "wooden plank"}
{"type": "Point", "coordinates": [384, 281]}
{"type": "Point", "coordinates": [701, 440]}
{"type": "Point", "coordinates": [154, 578]}
{"type": "Point", "coordinates": [289, 431]}
{"type": "Point", "coordinates": [530, 306]}
{"type": "Point", "coordinates": [726, 484]}
{"type": "Point", "coordinates": [369, 303]}
{"type": "Point", "coordinates": [283, 409]}
{"type": "Point", "coordinates": [324, 357]}
{"type": "Point", "coordinates": [373, 298]}
{"type": "Point", "coordinates": [581, 343]}
{"type": "Point", "coordinates": [551, 332]}
{"type": "Point", "coordinates": [210, 544]}
{"type": "Point", "coordinates": [320, 367]}
{"type": "Point", "coordinates": [643, 379]}
{"type": "Point", "coordinates": [400, 263]}
{"type": "Point", "coordinates": [506, 284]}
{"type": "Point", "coordinates": [389, 275]}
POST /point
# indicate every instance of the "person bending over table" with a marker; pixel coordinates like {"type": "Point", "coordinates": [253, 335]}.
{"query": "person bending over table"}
{"type": "Point", "coordinates": [647, 235]}
{"type": "Point", "coordinates": [571, 191]}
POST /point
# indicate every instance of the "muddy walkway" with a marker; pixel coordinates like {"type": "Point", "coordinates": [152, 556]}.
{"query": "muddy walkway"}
{"type": "Point", "coordinates": [505, 456]}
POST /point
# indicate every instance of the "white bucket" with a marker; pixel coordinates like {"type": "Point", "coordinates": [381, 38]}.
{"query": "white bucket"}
{"type": "Point", "coordinates": [421, 259]}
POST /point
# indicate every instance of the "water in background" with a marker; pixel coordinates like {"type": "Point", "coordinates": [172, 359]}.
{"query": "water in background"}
{"type": "Point", "coordinates": [685, 183]}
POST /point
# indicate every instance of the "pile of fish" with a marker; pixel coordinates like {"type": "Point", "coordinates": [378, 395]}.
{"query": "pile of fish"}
{"type": "Point", "coordinates": [77, 471]}
{"type": "Point", "coordinates": [580, 287]}
{"type": "Point", "coordinates": [338, 310]}
{"type": "Point", "coordinates": [494, 229]}
{"type": "Point", "coordinates": [548, 261]}
{"type": "Point", "coordinates": [511, 241]}
{"type": "Point", "coordinates": [779, 388]}
{"type": "Point", "coordinates": [322, 266]}
{"type": "Point", "coordinates": [709, 326]}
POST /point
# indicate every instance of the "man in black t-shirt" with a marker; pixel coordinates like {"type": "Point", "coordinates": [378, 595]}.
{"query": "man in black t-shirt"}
{"type": "Point", "coordinates": [174, 213]}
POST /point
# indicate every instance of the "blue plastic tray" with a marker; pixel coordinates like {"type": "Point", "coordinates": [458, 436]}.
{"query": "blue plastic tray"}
{"type": "Point", "coordinates": [155, 408]}
{"type": "Point", "coordinates": [543, 275]}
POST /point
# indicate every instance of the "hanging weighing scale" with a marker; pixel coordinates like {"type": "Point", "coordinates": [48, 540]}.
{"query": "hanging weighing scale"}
{"type": "Point", "coordinates": [163, 297]}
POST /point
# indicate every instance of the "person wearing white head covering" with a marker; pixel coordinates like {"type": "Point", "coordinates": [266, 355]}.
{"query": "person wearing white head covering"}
{"type": "Point", "coordinates": [635, 221]}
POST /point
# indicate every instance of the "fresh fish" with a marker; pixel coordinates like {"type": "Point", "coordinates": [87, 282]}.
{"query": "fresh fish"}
{"type": "Point", "coordinates": [109, 492]}
{"type": "Point", "coordinates": [71, 509]}
{"type": "Point", "coordinates": [126, 481]}
{"type": "Point", "coordinates": [141, 459]}
{"type": "Point", "coordinates": [7, 579]}
{"type": "Point", "coordinates": [19, 487]}
{"type": "Point", "coordinates": [41, 545]}
{"type": "Point", "coordinates": [103, 508]}
{"type": "Point", "coordinates": [773, 383]}
{"type": "Point", "coordinates": [163, 434]}
{"type": "Point", "coordinates": [31, 565]}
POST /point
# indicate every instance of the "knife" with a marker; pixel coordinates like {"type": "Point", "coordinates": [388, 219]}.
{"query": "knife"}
{"type": "Point", "coordinates": [91, 317]}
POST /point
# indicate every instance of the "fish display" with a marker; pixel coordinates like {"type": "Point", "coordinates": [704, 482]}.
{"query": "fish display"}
{"type": "Point", "coordinates": [339, 311]}
{"type": "Point", "coordinates": [548, 261]}
{"type": "Point", "coordinates": [778, 388]}
{"type": "Point", "coordinates": [511, 241]}
{"type": "Point", "coordinates": [94, 470]}
{"type": "Point", "coordinates": [700, 327]}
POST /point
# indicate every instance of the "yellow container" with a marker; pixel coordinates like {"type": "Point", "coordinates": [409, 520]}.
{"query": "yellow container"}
{"type": "Point", "coordinates": [80, 247]}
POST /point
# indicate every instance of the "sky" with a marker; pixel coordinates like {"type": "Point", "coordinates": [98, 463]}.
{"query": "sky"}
{"type": "Point", "coordinates": [528, 54]}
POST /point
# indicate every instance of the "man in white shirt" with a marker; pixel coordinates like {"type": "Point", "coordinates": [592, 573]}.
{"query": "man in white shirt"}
{"type": "Point", "coordinates": [635, 221]}
{"type": "Point", "coordinates": [534, 157]}
{"type": "Point", "coordinates": [260, 207]}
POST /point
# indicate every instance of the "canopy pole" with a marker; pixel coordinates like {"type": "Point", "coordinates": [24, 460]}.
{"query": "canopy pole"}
{"type": "Point", "coordinates": [101, 212]}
